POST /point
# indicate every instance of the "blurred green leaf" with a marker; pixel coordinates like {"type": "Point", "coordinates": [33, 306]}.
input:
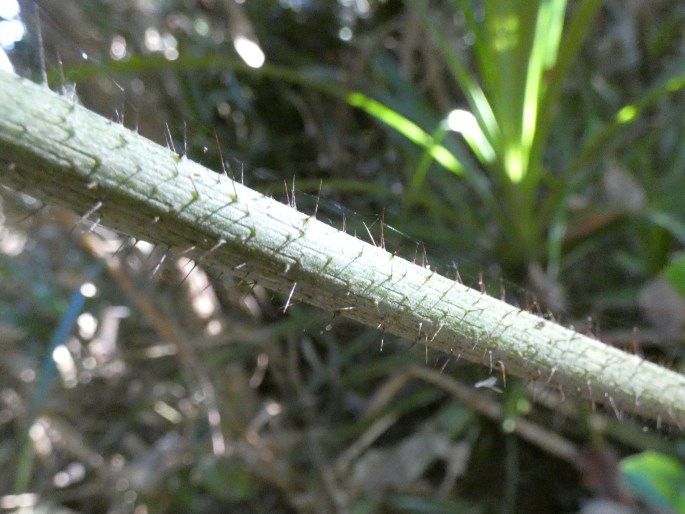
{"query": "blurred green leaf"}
{"type": "Point", "coordinates": [227, 478]}
{"type": "Point", "coordinates": [466, 80]}
{"type": "Point", "coordinates": [674, 273]}
{"type": "Point", "coordinates": [407, 128]}
{"type": "Point", "coordinates": [657, 479]}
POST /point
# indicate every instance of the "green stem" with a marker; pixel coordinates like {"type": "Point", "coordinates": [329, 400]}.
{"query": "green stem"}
{"type": "Point", "coordinates": [64, 154]}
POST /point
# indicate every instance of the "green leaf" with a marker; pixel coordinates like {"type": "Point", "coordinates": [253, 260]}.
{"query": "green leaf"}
{"type": "Point", "coordinates": [657, 479]}
{"type": "Point", "coordinates": [572, 39]}
{"type": "Point", "coordinates": [407, 128]}
{"type": "Point", "coordinates": [674, 273]}
{"type": "Point", "coordinates": [542, 57]}
{"type": "Point", "coordinates": [468, 82]}
{"type": "Point", "coordinates": [672, 225]}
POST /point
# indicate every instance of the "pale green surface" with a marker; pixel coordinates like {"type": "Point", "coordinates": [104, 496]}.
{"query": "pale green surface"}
{"type": "Point", "coordinates": [66, 155]}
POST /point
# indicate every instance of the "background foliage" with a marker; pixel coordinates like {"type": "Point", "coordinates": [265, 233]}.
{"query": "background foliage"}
{"type": "Point", "coordinates": [180, 391]}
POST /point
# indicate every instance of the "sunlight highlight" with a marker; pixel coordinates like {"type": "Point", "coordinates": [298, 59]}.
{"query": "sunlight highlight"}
{"type": "Point", "coordinates": [9, 9]}
{"type": "Point", "coordinates": [466, 124]}
{"type": "Point", "coordinates": [11, 31]}
{"type": "Point", "coordinates": [626, 114]}
{"type": "Point", "coordinates": [66, 366]}
{"type": "Point", "coordinates": [513, 163]}
{"type": "Point", "coordinates": [249, 51]}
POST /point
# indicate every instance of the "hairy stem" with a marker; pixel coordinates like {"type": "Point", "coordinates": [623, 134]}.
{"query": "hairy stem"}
{"type": "Point", "coordinates": [66, 155]}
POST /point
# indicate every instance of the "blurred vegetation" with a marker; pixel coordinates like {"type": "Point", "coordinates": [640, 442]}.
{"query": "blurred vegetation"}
{"type": "Point", "coordinates": [531, 146]}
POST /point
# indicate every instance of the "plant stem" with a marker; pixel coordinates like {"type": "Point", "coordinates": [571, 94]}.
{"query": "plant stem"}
{"type": "Point", "coordinates": [64, 154]}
